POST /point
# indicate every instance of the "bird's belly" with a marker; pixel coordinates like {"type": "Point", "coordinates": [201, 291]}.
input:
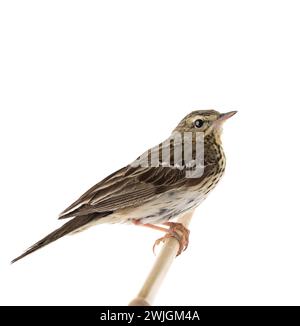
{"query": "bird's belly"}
{"type": "Point", "coordinates": [164, 208]}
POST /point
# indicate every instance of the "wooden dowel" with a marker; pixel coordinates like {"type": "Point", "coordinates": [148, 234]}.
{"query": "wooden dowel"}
{"type": "Point", "coordinates": [160, 268]}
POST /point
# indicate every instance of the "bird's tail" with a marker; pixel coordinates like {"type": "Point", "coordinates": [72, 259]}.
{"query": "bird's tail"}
{"type": "Point", "coordinates": [69, 227]}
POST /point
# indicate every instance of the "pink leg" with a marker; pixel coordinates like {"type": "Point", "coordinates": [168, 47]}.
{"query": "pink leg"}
{"type": "Point", "coordinates": [174, 230]}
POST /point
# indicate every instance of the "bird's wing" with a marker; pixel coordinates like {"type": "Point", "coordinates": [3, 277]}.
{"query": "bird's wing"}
{"type": "Point", "coordinates": [129, 186]}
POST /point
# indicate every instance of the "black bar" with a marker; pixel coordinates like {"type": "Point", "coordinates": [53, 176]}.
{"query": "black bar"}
{"type": "Point", "coordinates": [133, 315]}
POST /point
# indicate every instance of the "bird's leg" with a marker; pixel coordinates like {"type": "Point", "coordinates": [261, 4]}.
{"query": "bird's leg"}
{"type": "Point", "coordinates": [177, 231]}
{"type": "Point", "coordinates": [151, 226]}
{"type": "Point", "coordinates": [185, 233]}
{"type": "Point", "coordinates": [174, 230]}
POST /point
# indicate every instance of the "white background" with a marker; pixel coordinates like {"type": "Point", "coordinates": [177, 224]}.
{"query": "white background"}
{"type": "Point", "coordinates": [87, 86]}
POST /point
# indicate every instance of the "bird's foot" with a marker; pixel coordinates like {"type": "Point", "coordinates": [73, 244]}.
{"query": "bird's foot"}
{"type": "Point", "coordinates": [177, 231]}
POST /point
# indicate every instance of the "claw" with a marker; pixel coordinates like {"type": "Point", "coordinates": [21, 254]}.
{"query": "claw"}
{"type": "Point", "coordinates": [168, 235]}
{"type": "Point", "coordinates": [177, 231]}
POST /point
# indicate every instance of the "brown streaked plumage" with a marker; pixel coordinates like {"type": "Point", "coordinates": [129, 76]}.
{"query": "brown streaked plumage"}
{"type": "Point", "coordinates": [152, 195]}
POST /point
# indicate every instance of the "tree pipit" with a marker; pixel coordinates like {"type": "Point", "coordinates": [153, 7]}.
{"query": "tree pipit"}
{"type": "Point", "coordinates": [158, 187]}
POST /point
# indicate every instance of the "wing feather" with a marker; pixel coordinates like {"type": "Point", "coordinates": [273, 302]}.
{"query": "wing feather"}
{"type": "Point", "coordinates": [129, 186]}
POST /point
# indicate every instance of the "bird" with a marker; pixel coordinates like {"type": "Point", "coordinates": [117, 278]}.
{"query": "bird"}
{"type": "Point", "coordinates": [159, 186]}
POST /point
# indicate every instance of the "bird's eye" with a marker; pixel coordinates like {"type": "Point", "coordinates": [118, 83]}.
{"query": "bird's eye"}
{"type": "Point", "coordinates": [198, 123]}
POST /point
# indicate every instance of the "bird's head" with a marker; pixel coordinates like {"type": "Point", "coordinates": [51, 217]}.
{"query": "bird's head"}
{"type": "Point", "coordinates": [207, 121]}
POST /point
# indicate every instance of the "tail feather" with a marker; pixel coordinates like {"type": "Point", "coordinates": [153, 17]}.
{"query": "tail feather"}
{"type": "Point", "coordinates": [72, 225]}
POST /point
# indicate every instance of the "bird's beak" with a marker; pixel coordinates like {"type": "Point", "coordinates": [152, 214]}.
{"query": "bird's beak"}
{"type": "Point", "coordinates": [225, 116]}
